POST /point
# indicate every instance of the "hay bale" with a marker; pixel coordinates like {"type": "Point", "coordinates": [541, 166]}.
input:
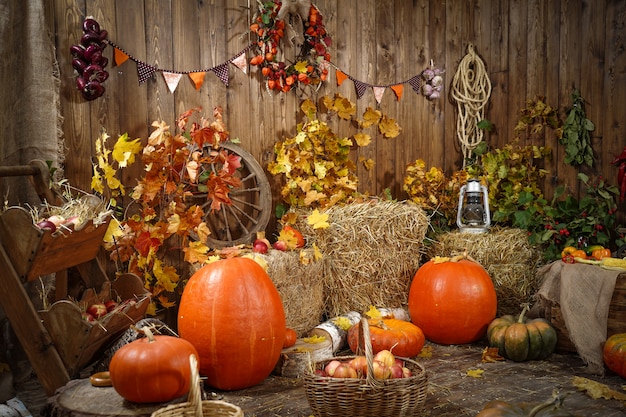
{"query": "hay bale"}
{"type": "Point", "coordinates": [300, 287]}
{"type": "Point", "coordinates": [508, 257]}
{"type": "Point", "coordinates": [371, 252]}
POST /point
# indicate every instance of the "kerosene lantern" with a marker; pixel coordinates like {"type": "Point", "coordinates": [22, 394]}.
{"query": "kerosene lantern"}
{"type": "Point", "coordinates": [473, 214]}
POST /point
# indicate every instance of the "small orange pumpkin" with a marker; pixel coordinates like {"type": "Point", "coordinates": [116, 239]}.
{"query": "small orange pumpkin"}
{"type": "Point", "coordinates": [290, 338]}
{"type": "Point", "coordinates": [297, 235]}
{"type": "Point", "coordinates": [401, 337]}
{"type": "Point", "coordinates": [614, 354]}
{"type": "Point", "coordinates": [601, 253]}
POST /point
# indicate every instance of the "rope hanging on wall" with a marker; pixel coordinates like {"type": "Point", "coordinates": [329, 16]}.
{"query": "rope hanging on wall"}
{"type": "Point", "coordinates": [471, 89]}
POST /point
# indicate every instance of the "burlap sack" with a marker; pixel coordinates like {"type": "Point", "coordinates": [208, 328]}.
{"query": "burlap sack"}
{"type": "Point", "coordinates": [583, 293]}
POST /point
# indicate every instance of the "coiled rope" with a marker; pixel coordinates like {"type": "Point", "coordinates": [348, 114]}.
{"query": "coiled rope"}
{"type": "Point", "coordinates": [471, 89]}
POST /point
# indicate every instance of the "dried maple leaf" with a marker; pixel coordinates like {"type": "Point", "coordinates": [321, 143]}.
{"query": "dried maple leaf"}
{"type": "Point", "coordinates": [370, 118]}
{"type": "Point", "coordinates": [389, 127]}
{"type": "Point", "coordinates": [344, 107]}
{"type": "Point", "coordinates": [308, 108]}
{"type": "Point", "coordinates": [362, 139]}
{"type": "Point", "coordinates": [318, 220]}
{"type": "Point", "coordinates": [317, 254]}
{"type": "Point", "coordinates": [165, 275]}
{"type": "Point", "coordinates": [490, 354]}
{"type": "Point", "coordinates": [196, 252]}
{"type": "Point", "coordinates": [289, 237]}
{"type": "Point", "coordinates": [368, 163]}
{"type": "Point", "coordinates": [124, 150]}
{"type": "Point", "coordinates": [475, 373]}
{"type": "Point", "coordinates": [597, 390]}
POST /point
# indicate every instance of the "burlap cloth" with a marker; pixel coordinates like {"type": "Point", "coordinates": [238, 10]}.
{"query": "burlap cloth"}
{"type": "Point", "coordinates": [583, 293]}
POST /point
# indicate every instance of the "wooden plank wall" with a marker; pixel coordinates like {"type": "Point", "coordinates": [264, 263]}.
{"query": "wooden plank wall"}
{"type": "Point", "coordinates": [532, 47]}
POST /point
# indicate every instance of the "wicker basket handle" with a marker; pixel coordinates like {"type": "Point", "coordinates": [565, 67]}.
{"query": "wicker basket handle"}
{"type": "Point", "coordinates": [194, 397]}
{"type": "Point", "coordinates": [369, 354]}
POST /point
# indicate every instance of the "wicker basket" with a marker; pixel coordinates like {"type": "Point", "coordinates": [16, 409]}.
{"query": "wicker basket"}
{"type": "Point", "coordinates": [195, 407]}
{"type": "Point", "coordinates": [368, 397]}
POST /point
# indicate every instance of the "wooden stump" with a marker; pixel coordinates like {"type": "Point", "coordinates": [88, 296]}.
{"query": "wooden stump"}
{"type": "Point", "coordinates": [78, 398]}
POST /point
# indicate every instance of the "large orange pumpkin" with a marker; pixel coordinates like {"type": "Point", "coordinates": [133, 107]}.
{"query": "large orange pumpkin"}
{"type": "Point", "coordinates": [403, 338]}
{"type": "Point", "coordinates": [452, 300]}
{"type": "Point", "coordinates": [232, 313]}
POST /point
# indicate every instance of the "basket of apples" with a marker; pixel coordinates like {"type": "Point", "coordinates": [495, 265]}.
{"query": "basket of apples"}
{"type": "Point", "coordinates": [368, 385]}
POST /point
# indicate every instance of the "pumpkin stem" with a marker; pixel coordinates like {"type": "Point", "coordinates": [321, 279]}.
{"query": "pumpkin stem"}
{"type": "Point", "coordinates": [145, 330]}
{"type": "Point", "coordinates": [555, 402]}
{"type": "Point", "coordinates": [522, 315]}
{"type": "Point", "coordinates": [461, 256]}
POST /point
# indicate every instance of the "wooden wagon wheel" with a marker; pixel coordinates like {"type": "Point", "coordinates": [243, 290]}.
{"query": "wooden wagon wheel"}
{"type": "Point", "coordinates": [251, 206]}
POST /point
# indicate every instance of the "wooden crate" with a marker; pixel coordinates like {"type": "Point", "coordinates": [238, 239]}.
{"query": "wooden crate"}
{"type": "Point", "coordinates": [35, 252]}
{"type": "Point", "coordinates": [616, 318]}
{"type": "Point", "coordinates": [79, 342]}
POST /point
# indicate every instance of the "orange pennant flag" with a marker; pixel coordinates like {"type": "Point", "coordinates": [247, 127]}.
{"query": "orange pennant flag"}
{"type": "Point", "coordinates": [120, 56]}
{"type": "Point", "coordinates": [197, 78]}
{"type": "Point", "coordinates": [341, 77]}
{"type": "Point", "coordinates": [398, 88]}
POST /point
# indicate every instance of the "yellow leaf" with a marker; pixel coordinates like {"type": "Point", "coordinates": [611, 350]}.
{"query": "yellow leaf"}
{"type": "Point", "coordinates": [124, 150]}
{"type": "Point", "coordinates": [258, 259]}
{"type": "Point", "coordinates": [196, 252]}
{"type": "Point", "coordinates": [370, 117]}
{"type": "Point", "coordinates": [475, 373]}
{"type": "Point", "coordinates": [345, 108]}
{"type": "Point", "coordinates": [389, 128]}
{"type": "Point", "coordinates": [173, 223]}
{"type": "Point", "coordinates": [315, 339]}
{"type": "Point", "coordinates": [165, 275]}
{"type": "Point", "coordinates": [317, 254]}
{"type": "Point", "coordinates": [301, 66]}
{"type": "Point", "coordinates": [368, 163]}
{"type": "Point", "coordinates": [289, 238]}
{"type": "Point", "coordinates": [597, 390]}
{"type": "Point", "coordinates": [308, 108]}
{"type": "Point", "coordinates": [318, 220]}
{"type": "Point", "coordinates": [305, 257]}
{"type": "Point", "coordinates": [373, 313]}
{"type": "Point", "coordinates": [203, 231]}
{"type": "Point", "coordinates": [114, 231]}
{"type": "Point", "coordinates": [426, 352]}
{"type": "Point", "coordinates": [362, 139]}
{"type": "Point", "coordinates": [343, 323]}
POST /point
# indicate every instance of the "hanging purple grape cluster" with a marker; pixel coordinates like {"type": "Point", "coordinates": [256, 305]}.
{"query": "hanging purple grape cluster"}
{"type": "Point", "coordinates": [432, 84]}
{"type": "Point", "coordinates": [88, 60]}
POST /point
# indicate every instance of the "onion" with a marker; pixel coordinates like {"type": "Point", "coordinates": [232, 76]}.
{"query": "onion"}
{"type": "Point", "coordinates": [47, 225]}
{"type": "Point", "coordinates": [57, 220]}
{"type": "Point", "coordinates": [359, 364]}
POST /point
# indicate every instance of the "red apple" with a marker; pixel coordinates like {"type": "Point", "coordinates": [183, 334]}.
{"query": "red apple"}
{"type": "Point", "coordinates": [97, 310]}
{"type": "Point", "coordinates": [110, 305]}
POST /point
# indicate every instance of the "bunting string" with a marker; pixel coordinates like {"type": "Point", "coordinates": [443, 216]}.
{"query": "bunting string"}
{"type": "Point", "coordinates": [429, 82]}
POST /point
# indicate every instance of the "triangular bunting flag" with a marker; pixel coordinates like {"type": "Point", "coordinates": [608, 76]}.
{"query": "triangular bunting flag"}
{"type": "Point", "coordinates": [341, 77]}
{"type": "Point", "coordinates": [144, 71]}
{"type": "Point", "coordinates": [120, 56]}
{"type": "Point", "coordinates": [197, 78]}
{"type": "Point", "coordinates": [378, 93]}
{"type": "Point", "coordinates": [222, 72]}
{"type": "Point", "coordinates": [172, 79]}
{"type": "Point", "coordinates": [398, 89]}
{"type": "Point", "coordinates": [241, 63]}
{"type": "Point", "coordinates": [360, 88]}
{"type": "Point", "coordinates": [416, 83]}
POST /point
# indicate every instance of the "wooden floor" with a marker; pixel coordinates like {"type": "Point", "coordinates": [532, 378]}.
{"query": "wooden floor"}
{"type": "Point", "coordinates": [452, 392]}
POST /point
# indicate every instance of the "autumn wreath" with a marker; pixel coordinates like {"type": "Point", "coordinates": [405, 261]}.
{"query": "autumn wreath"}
{"type": "Point", "coordinates": [311, 63]}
